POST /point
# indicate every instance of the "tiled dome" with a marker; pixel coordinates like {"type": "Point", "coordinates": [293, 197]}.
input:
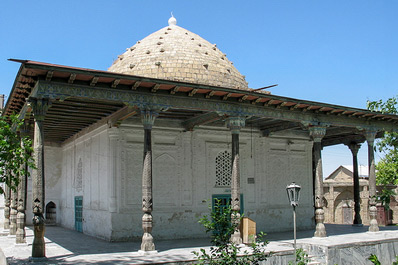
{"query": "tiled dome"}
{"type": "Point", "coordinates": [175, 53]}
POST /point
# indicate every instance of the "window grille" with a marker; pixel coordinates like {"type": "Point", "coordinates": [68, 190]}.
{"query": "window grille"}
{"type": "Point", "coordinates": [223, 169]}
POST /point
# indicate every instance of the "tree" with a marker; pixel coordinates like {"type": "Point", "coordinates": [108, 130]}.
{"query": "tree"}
{"type": "Point", "coordinates": [15, 152]}
{"type": "Point", "coordinates": [387, 167]}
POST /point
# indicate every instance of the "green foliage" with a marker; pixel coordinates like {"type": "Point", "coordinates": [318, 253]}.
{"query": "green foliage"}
{"type": "Point", "coordinates": [15, 152]}
{"type": "Point", "coordinates": [390, 106]}
{"type": "Point", "coordinates": [373, 258]}
{"type": "Point", "coordinates": [225, 252]}
{"type": "Point", "coordinates": [301, 257]}
{"type": "Point", "coordinates": [387, 167]}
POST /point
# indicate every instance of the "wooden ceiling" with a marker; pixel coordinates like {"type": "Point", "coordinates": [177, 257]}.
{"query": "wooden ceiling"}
{"type": "Point", "coordinates": [72, 115]}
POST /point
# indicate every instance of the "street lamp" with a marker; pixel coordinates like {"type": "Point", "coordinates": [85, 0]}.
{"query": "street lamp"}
{"type": "Point", "coordinates": [293, 194]}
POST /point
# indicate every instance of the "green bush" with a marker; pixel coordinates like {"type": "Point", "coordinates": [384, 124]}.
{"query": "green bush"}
{"type": "Point", "coordinates": [224, 252]}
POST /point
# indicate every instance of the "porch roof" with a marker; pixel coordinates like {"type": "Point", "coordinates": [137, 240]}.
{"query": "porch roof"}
{"type": "Point", "coordinates": [84, 98]}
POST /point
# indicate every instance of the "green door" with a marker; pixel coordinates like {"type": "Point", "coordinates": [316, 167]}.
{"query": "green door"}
{"type": "Point", "coordinates": [225, 199]}
{"type": "Point", "coordinates": [79, 213]}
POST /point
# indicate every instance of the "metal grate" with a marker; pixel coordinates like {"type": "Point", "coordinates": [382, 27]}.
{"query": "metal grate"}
{"type": "Point", "coordinates": [223, 169]}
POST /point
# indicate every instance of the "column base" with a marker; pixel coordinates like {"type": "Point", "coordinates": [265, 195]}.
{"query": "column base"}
{"type": "Point", "coordinates": [35, 259]}
{"type": "Point", "coordinates": [236, 239]}
{"type": "Point", "coordinates": [21, 244]}
{"type": "Point", "coordinates": [320, 230]}
{"type": "Point", "coordinates": [147, 243]}
{"type": "Point", "coordinates": [147, 253]}
{"type": "Point", "coordinates": [373, 228]}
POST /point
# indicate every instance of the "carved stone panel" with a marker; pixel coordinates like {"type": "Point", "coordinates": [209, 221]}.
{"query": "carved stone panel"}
{"type": "Point", "coordinates": [78, 183]}
{"type": "Point", "coordinates": [165, 180]}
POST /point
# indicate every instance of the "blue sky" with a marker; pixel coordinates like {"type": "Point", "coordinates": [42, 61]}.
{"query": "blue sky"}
{"type": "Point", "coordinates": [339, 52]}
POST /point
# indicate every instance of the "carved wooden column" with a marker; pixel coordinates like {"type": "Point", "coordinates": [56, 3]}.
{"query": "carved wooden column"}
{"type": "Point", "coordinates": [39, 107]}
{"type": "Point", "coordinates": [354, 147]}
{"type": "Point", "coordinates": [113, 143]}
{"type": "Point", "coordinates": [7, 196]}
{"type": "Point", "coordinates": [22, 193]}
{"type": "Point", "coordinates": [148, 119]}
{"type": "Point", "coordinates": [317, 133]}
{"type": "Point", "coordinates": [13, 212]}
{"type": "Point", "coordinates": [235, 124]}
{"type": "Point", "coordinates": [370, 138]}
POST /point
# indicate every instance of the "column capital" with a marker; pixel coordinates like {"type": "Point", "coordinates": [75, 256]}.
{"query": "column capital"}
{"type": "Point", "coordinates": [148, 118]}
{"type": "Point", "coordinates": [235, 123]}
{"type": "Point", "coordinates": [370, 135]}
{"type": "Point", "coordinates": [39, 107]}
{"type": "Point", "coordinates": [354, 147]}
{"type": "Point", "coordinates": [317, 133]}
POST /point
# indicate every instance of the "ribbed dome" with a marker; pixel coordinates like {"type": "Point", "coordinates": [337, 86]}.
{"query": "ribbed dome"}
{"type": "Point", "coordinates": [177, 54]}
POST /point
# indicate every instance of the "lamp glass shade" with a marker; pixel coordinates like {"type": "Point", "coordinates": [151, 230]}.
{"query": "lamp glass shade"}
{"type": "Point", "coordinates": [293, 194]}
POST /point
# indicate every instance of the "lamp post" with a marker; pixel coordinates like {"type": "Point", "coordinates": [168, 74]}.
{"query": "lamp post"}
{"type": "Point", "coordinates": [293, 194]}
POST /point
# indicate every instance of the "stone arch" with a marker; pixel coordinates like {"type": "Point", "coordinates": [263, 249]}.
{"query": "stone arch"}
{"type": "Point", "coordinates": [51, 213]}
{"type": "Point", "coordinates": [344, 206]}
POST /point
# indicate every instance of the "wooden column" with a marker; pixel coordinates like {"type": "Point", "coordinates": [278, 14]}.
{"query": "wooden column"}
{"type": "Point", "coordinates": [7, 197]}
{"type": "Point", "coordinates": [317, 133]}
{"type": "Point", "coordinates": [113, 143]}
{"type": "Point", "coordinates": [22, 196]}
{"type": "Point", "coordinates": [354, 147]}
{"type": "Point", "coordinates": [39, 107]}
{"type": "Point", "coordinates": [13, 212]}
{"type": "Point", "coordinates": [148, 119]}
{"type": "Point", "coordinates": [370, 138]}
{"type": "Point", "coordinates": [235, 124]}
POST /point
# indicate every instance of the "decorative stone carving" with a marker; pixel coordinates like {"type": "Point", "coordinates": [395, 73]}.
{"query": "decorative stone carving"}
{"type": "Point", "coordinates": [148, 119]}
{"type": "Point", "coordinates": [22, 188]}
{"type": "Point", "coordinates": [235, 124]}
{"type": "Point", "coordinates": [223, 169]}
{"type": "Point", "coordinates": [13, 212]}
{"type": "Point", "coordinates": [370, 135]}
{"type": "Point", "coordinates": [39, 107]}
{"type": "Point", "coordinates": [79, 176]}
{"type": "Point", "coordinates": [317, 133]}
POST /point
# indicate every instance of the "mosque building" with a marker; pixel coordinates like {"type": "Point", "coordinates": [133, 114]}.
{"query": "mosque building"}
{"type": "Point", "coordinates": [138, 152]}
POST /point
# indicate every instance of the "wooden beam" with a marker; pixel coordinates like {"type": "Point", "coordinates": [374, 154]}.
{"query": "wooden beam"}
{"type": "Point", "coordinates": [72, 78]}
{"type": "Point", "coordinates": [115, 83]}
{"type": "Point", "coordinates": [193, 92]}
{"type": "Point", "coordinates": [49, 75]}
{"type": "Point", "coordinates": [119, 116]}
{"type": "Point", "coordinates": [256, 101]}
{"type": "Point", "coordinates": [136, 85]}
{"type": "Point", "coordinates": [210, 94]}
{"type": "Point", "coordinates": [227, 96]}
{"type": "Point", "coordinates": [201, 119]}
{"type": "Point", "coordinates": [174, 90]}
{"type": "Point", "coordinates": [94, 81]}
{"type": "Point", "coordinates": [155, 88]}
{"type": "Point", "coordinates": [284, 126]}
{"type": "Point", "coordinates": [243, 98]}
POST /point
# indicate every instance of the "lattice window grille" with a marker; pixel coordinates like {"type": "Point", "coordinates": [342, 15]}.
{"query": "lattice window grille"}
{"type": "Point", "coordinates": [223, 169]}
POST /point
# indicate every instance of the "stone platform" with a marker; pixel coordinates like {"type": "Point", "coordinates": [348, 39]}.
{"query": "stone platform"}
{"type": "Point", "coordinates": [344, 245]}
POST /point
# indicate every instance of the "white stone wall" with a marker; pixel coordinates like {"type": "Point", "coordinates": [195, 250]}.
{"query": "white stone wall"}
{"type": "Point", "coordinates": [85, 162]}
{"type": "Point", "coordinates": [183, 180]}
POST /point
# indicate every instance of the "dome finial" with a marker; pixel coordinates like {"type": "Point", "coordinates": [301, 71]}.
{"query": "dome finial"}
{"type": "Point", "coordinates": [172, 20]}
